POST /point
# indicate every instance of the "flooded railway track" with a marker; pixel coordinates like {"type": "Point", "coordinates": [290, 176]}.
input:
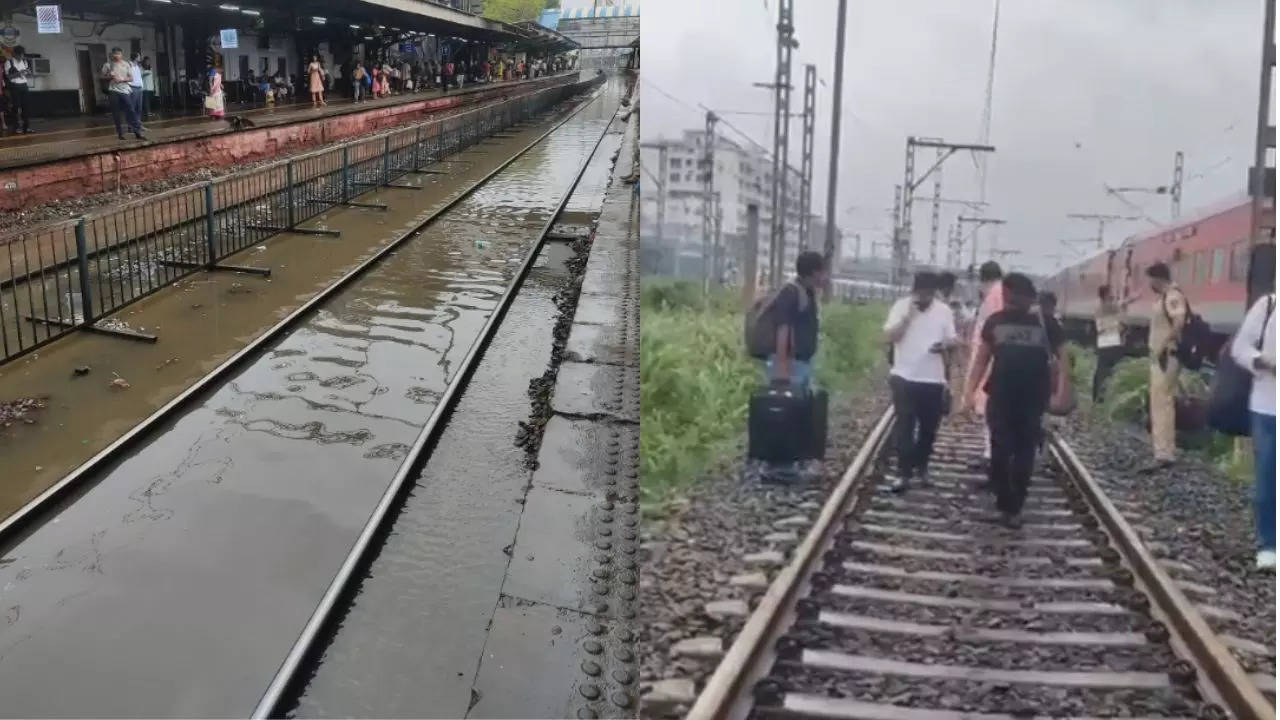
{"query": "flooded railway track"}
{"type": "Point", "coordinates": [205, 538]}
{"type": "Point", "coordinates": [918, 607]}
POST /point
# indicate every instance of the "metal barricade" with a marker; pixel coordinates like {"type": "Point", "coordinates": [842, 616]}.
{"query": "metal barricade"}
{"type": "Point", "coordinates": [66, 275]}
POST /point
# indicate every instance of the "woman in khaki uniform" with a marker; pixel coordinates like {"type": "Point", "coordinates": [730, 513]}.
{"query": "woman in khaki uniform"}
{"type": "Point", "coordinates": [1168, 316]}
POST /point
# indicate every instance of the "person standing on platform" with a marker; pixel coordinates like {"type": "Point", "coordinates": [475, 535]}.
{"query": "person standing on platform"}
{"type": "Point", "coordinates": [117, 73]}
{"type": "Point", "coordinates": [4, 105]}
{"type": "Point", "coordinates": [148, 88]}
{"type": "Point", "coordinates": [216, 100]}
{"type": "Point", "coordinates": [17, 72]}
{"type": "Point", "coordinates": [135, 84]}
{"type": "Point", "coordinates": [448, 75]}
{"type": "Point", "coordinates": [921, 329]}
{"type": "Point", "coordinates": [359, 81]}
{"type": "Point", "coordinates": [1254, 348]}
{"type": "Point", "coordinates": [991, 289]}
{"type": "Point", "coordinates": [1168, 316]}
{"type": "Point", "coordinates": [315, 82]}
{"type": "Point", "coordinates": [1012, 362]}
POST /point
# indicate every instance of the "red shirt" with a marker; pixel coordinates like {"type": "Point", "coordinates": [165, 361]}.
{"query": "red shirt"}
{"type": "Point", "coordinates": [448, 68]}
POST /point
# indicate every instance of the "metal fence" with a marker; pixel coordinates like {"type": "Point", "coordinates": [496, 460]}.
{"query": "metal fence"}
{"type": "Point", "coordinates": [68, 275]}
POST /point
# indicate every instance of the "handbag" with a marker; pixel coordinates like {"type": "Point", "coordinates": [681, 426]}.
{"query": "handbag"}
{"type": "Point", "coordinates": [1231, 387]}
{"type": "Point", "coordinates": [210, 102]}
{"type": "Point", "coordinates": [1062, 396]}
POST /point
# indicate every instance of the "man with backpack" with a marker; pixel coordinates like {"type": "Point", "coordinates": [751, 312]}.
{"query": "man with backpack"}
{"type": "Point", "coordinates": [1168, 318]}
{"type": "Point", "coordinates": [1014, 356]}
{"type": "Point", "coordinates": [921, 328]}
{"type": "Point", "coordinates": [793, 313]}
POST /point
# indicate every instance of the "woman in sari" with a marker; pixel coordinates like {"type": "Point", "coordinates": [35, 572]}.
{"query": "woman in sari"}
{"type": "Point", "coordinates": [315, 73]}
{"type": "Point", "coordinates": [216, 100]}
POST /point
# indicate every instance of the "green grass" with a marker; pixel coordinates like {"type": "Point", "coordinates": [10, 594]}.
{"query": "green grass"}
{"type": "Point", "coordinates": [696, 378]}
{"type": "Point", "coordinates": [1124, 401]}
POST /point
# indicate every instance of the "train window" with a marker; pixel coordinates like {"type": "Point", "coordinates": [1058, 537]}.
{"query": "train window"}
{"type": "Point", "coordinates": [1201, 267]}
{"type": "Point", "coordinates": [1239, 260]}
{"type": "Point", "coordinates": [1219, 264]}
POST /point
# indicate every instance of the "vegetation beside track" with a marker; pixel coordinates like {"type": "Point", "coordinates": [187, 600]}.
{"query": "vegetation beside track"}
{"type": "Point", "coordinates": [696, 379]}
{"type": "Point", "coordinates": [1124, 401]}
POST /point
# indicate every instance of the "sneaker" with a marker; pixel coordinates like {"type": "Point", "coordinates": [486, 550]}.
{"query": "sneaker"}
{"type": "Point", "coordinates": [1266, 560]}
{"type": "Point", "coordinates": [900, 485]}
{"type": "Point", "coordinates": [1013, 521]}
{"type": "Point", "coordinates": [923, 479]}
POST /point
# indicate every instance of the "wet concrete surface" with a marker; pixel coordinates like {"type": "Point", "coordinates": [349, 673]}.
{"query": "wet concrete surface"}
{"type": "Point", "coordinates": [563, 638]}
{"type": "Point", "coordinates": [202, 320]}
{"type": "Point", "coordinates": [416, 634]}
{"type": "Point", "coordinates": [179, 581]}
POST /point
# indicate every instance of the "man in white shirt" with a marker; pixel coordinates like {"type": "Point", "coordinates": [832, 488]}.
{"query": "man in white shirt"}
{"type": "Point", "coordinates": [1254, 348]}
{"type": "Point", "coordinates": [135, 84]}
{"type": "Point", "coordinates": [921, 329]}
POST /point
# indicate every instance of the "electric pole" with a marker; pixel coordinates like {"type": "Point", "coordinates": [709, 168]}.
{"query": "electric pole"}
{"type": "Point", "coordinates": [937, 207]}
{"type": "Point", "coordinates": [781, 139]}
{"type": "Point", "coordinates": [1102, 222]}
{"type": "Point", "coordinates": [806, 151]}
{"type": "Point", "coordinates": [902, 250]}
{"type": "Point", "coordinates": [1262, 179]}
{"type": "Point", "coordinates": [709, 159]}
{"type": "Point", "coordinates": [829, 242]}
{"type": "Point", "coordinates": [1175, 189]}
{"type": "Point", "coordinates": [977, 222]}
{"type": "Point", "coordinates": [662, 148]}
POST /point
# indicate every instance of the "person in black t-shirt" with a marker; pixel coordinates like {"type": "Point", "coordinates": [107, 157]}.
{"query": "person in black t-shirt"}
{"type": "Point", "coordinates": [1016, 343]}
{"type": "Point", "coordinates": [797, 321]}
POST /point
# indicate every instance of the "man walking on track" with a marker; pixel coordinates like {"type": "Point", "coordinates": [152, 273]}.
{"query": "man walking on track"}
{"type": "Point", "coordinates": [1254, 348]}
{"type": "Point", "coordinates": [921, 329]}
{"type": "Point", "coordinates": [1013, 356]}
{"type": "Point", "coordinates": [1168, 316]}
{"type": "Point", "coordinates": [992, 301]}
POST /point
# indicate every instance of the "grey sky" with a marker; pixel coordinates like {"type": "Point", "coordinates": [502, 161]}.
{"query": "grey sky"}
{"type": "Point", "coordinates": [1087, 92]}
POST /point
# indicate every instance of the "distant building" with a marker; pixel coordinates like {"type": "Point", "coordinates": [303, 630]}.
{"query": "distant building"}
{"type": "Point", "coordinates": [743, 176]}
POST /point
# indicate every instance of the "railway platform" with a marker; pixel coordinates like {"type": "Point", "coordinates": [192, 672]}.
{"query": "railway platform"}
{"type": "Point", "coordinates": [72, 157]}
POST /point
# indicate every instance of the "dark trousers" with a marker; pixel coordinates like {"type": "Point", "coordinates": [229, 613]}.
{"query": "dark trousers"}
{"type": "Point", "coordinates": [1107, 359]}
{"type": "Point", "coordinates": [122, 104]}
{"type": "Point", "coordinates": [1015, 435]}
{"type": "Point", "coordinates": [917, 409]}
{"type": "Point", "coordinates": [135, 97]}
{"type": "Point", "coordinates": [18, 105]}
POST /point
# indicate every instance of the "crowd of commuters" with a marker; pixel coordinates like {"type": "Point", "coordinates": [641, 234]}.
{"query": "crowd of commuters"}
{"type": "Point", "coordinates": [1017, 370]}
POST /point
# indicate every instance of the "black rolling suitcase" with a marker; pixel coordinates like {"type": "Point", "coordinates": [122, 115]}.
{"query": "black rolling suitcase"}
{"type": "Point", "coordinates": [784, 426]}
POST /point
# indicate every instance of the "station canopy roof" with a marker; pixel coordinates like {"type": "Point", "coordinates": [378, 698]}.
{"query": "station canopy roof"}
{"type": "Point", "coordinates": [361, 20]}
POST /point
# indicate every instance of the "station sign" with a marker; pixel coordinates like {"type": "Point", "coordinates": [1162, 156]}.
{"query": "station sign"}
{"type": "Point", "coordinates": [229, 39]}
{"type": "Point", "coordinates": [48, 19]}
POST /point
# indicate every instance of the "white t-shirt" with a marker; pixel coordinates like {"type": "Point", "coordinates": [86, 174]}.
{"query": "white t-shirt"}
{"type": "Point", "coordinates": [1244, 348]}
{"type": "Point", "coordinates": [20, 67]}
{"type": "Point", "coordinates": [912, 360]}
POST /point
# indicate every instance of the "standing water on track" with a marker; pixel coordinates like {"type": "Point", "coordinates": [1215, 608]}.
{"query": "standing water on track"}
{"type": "Point", "coordinates": [267, 483]}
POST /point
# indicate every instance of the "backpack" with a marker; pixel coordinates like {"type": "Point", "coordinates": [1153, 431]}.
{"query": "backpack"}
{"type": "Point", "coordinates": [760, 327]}
{"type": "Point", "coordinates": [1231, 386]}
{"type": "Point", "coordinates": [1195, 340]}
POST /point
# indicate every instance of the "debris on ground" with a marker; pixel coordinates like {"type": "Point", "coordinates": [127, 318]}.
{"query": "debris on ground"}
{"type": "Point", "coordinates": [120, 383]}
{"type": "Point", "coordinates": [81, 370]}
{"type": "Point", "coordinates": [22, 410]}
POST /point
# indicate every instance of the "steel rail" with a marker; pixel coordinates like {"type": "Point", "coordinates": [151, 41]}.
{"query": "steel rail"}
{"type": "Point", "coordinates": [287, 676]}
{"type": "Point", "coordinates": [12, 527]}
{"type": "Point", "coordinates": [1219, 676]}
{"type": "Point", "coordinates": [750, 654]}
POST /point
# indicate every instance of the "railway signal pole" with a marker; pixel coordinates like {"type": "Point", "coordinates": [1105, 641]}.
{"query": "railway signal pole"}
{"type": "Point", "coordinates": [1102, 222]}
{"type": "Point", "coordinates": [902, 236]}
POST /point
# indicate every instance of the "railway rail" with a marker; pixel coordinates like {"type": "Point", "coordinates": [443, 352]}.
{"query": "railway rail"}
{"type": "Point", "coordinates": [218, 696]}
{"type": "Point", "coordinates": [914, 607]}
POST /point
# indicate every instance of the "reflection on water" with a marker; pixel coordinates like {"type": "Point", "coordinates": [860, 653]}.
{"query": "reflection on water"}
{"type": "Point", "coordinates": [267, 484]}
